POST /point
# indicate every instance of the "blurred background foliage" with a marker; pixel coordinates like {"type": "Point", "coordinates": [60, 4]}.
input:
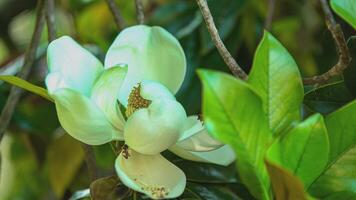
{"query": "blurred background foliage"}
{"type": "Point", "coordinates": [40, 161]}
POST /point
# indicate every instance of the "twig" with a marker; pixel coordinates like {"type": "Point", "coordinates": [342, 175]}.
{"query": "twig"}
{"type": "Point", "coordinates": [341, 45]}
{"type": "Point", "coordinates": [139, 12]}
{"type": "Point", "coordinates": [15, 92]}
{"type": "Point", "coordinates": [270, 12]}
{"type": "Point", "coordinates": [50, 18]}
{"type": "Point", "coordinates": [115, 11]}
{"type": "Point", "coordinates": [91, 162]}
{"type": "Point", "coordinates": [225, 54]}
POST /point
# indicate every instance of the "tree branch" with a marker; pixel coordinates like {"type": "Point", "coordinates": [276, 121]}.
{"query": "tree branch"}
{"type": "Point", "coordinates": [341, 45]}
{"type": "Point", "coordinates": [115, 11]}
{"type": "Point", "coordinates": [269, 16]}
{"type": "Point", "coordinates": [139, 12]}
{"type": "Point", "coordinates": [225, 54]}
{"type": "Point", "coordinates": [16, 92]}
{"type": "Point", "coordinates": [90, 162]}
{"type": "Point", "coordinates": [50, 18]}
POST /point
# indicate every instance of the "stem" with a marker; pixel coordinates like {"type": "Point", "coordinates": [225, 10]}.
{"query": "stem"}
{"type": "Point", "coordinates": [30, 54]}
{"type": "Point", "coordinates": [90, 161]}
{"type": "Point", "coordinates": [115, 11]}
{"type": "Point", "coordinates": [139, 12]}
{"type": "Point", "coordinates": [341, 45]}
{"type": "Point", "coordinates": [225, 54]}
{"type": "Point", "coordinates": [270, 12]}
{"type": "Point", "coordinates": [51, 24]}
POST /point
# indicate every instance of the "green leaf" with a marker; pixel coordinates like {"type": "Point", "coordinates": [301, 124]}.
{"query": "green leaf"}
{"type": "Point", "coordinates": [233, 113]}
{"type": "Point", "coordinates": [346, 9]}
{"type": "Point", "coordinates": [207, 173]}
{"type": "Point", "coordinates": [340, 174]}
{"type": "Point", "coordinates": [303, 150]}
{"type": "Point", "coordinates": [284, 184]}
{"type": "Point", "coordinates": [203, 191]}
{"type": "Point", "coordinates": [108, 188]}
{"type": "Point", "coordinates": [14, 80]}
{"type": "Point", "coordinates": [276, 78]}
{"type": "Point", "coordinates": [328, 98]}
{"type": "Point", "coordinates": [64, 159]}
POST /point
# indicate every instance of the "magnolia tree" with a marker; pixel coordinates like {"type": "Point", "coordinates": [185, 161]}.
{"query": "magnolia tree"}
{"type": "Point", "coordinates": [252, 123]}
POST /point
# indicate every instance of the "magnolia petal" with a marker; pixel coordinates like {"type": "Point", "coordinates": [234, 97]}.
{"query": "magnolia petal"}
{"type": "Point", "coordinates": [154, 129]}
{"type": "Point", "coordinates": [149, 174]}
{"type": "Point", "coordinates": [200, 141]}
{"type": "Point", "coordinates": [196, 138]}
{"type": "Point", "coordinates": [77, 66]}
{"type": "Point", "coordinates": [82, 119]}
{"type": "Point", "coordinates": [221, 156]}
{"type": "Point", "coordinates": [192, 125]}
{"type": "Point", "coordinates": [151, 90]}
{"type": "Point", "coordinates": [151, 53]}
{"type": "Point", "coordinates": [105, 92]}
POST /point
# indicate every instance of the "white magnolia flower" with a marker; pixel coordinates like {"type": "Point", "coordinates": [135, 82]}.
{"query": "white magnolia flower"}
{"type": "Point", "coordinates": [144, 68]}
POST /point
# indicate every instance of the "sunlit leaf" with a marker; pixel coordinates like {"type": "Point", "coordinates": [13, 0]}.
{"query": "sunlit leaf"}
{"type": "Point", "coordinates": [346, 9]}
{"type": "Point", "coordinates": [276, 78]}
{"type": "Point", "coordinates": [233, 113]}
{"type": "Point", "coordinates": [303, 150]}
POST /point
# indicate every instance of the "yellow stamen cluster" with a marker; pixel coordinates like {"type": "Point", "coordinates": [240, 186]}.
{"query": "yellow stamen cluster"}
{"type": "Point", "coordinates": [135, 101]}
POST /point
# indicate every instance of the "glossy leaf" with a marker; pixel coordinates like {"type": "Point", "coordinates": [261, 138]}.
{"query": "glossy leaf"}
{"type": "Point", "coordinates": [303, 150]}
{"type": "Point", "coordinates": [276, 78]}
{"type": "Point", "coordinates": [200, 192]}
{"type": "Point", "coordinates": [233, 113]}
{"type": "Point", "coordinates": [340, 174]}
{"type": "Point", "coordinates": [14, 80]}
{"type": "Point", "coordinates": [207, 173]}
{"type": "Point", "coordinates": [284, 184]}
{"type": "Point", "coordinates": [328, 98]}
{"type": "Point", "coordinates": [345, 9]}
{"type": "Point", "coordinates": [64, 159]}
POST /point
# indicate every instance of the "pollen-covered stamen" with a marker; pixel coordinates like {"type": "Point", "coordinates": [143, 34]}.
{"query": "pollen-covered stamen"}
{"type": "Point", "coordinates": [135, 101]}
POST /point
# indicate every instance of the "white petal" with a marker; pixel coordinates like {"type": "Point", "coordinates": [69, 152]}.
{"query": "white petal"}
{"type": "Point", "coordinates": [145, 173]}
{"type": "Point", "coordinates": [154, 129]}
{"type": "Point", "coordinates": [82, 119]}
{"type": "Point", "coordinates": [221, 156]}
{"type": "Point", "coordinates": [196, 138]}
{"type": "Point", "coordinates": [151, 53]}
{"type": "Point", "coordinates": [105, 93]}
{"type": "Point", "coordinates": [151, 90]}
{"type": "Point", "coordinates": [77, 66]}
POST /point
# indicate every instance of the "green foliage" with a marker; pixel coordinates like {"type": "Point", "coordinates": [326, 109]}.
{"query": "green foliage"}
{"type": "Point", "coordinates": [227, 103]}
{"type": "Point", "coordinates": [275, 76]}
{"type": "Point", "coordinates": [27, 86]}
{"type": "Point", "coordinates": [297, 150]}
{"type": "Point", "coordinates": [346, 9]}
{"type": "Point", "coordinates": [339, 174]}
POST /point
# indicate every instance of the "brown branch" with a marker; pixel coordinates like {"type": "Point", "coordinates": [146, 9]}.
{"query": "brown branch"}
{"type": "Point", "coordinates": [50, 18]}
{"type": "Point", "coordinates": [140, 12]}
{"type": "Point", "coordinates": [225, 54]}
{"type": "Point", "coordinates": [115, 11]}
{"type": "Point", "coordinates": [269, 16]}
{"type": "Point", "coordinates": [90, 161]}
{"type": "Point", "coordinates": [16, 92]}
{"type": "Point", "coordinates": [341, 45]}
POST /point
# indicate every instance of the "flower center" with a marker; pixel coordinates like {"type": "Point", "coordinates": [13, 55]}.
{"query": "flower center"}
{"type": "Point", "coordinates": [135, 101]}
